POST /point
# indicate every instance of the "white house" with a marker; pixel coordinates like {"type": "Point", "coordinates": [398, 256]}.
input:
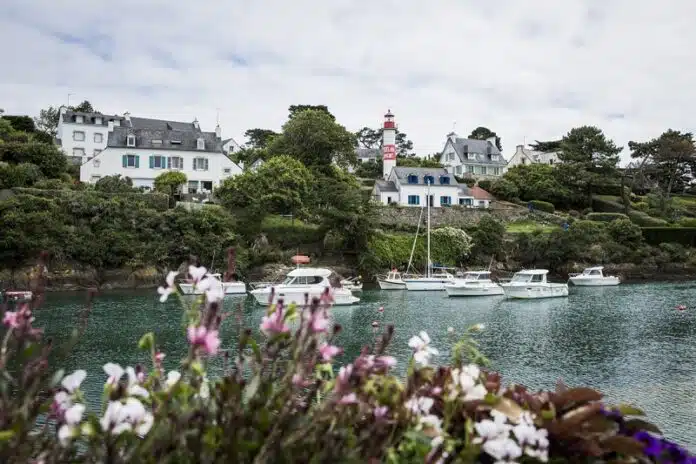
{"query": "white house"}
{"type": "Point", "coordinates": [84, 135]}
{"type": "Point", "coordinates": [526, 156]}
{"type": "Point", "coordinates": [479, 159]}
{"type": "Point", "coordinates": [142, 149]}
{"type": "Point", "coordinates": [229, 146]}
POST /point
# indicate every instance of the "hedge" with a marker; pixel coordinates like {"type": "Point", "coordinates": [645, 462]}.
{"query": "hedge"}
{"type": "Point", "coordinates": [605, 217]}
{"type": "Point", "coordinates": [683, 235]}
{"type": "Point", "coordinates": [607, 189]}
{"type": "Point", "coordinates": [687, 222]}
{"type": "Point", "coordinates": [606, 206]}
{"type": "Point", "coordinates": [287, 234]}
{"type": "Point", "coordinates": [645, 220]}
{"type": "Point", "coordinates": [542, 206]}
{"type": "Point", "coordinates": [156, 201]}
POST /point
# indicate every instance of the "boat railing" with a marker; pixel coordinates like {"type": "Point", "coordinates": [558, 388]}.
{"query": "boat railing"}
{"type": "Point", "coordinates": [260, 285]}
{"type": "Point", "coordinates": [574, 274]}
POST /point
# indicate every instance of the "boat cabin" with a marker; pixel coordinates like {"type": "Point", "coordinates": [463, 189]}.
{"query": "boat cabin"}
{"type": "Point", "coordinates": [477, 275]}
{"type": "Point", "coordinates": [536, 276]}
{"type": "Point", "coordinates": [311, 276]}
{"type": "Point", "coordinates": [394, 275]}
{"type": "Point", "coordinates": [593, 271]}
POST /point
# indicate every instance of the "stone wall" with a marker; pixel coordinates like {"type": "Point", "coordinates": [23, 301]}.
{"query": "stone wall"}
{"type": "Point", "coordinates": [454, 216]}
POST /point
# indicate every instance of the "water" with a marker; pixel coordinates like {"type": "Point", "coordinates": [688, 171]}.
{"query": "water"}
{"type": "Point", "coordinates": [628, 341]}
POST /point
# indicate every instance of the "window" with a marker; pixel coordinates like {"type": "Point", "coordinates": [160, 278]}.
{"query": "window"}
{"type": "Point", "coordinates": [200, 164]}
{"type": "Point", "coordinates": [470, 156]}
{"type": "Point", "coordinates": [459, 170]}
{"type": "Point", "coordinates": [231, 149]}
{"type": "Point", "coordinates": [389, 200]}
{"type": "Point", "coordinates": [429, 180]}
{"type": "Point", "coordinates": [79, 120]}
{"type": "Point", "coordinates": [551, 161]}
{"type": "Point", "coordinates": [482, 203]}
{"type": "Point", "coordinates": [412, 179]}
{"type": "Point", "coordinates": [445, 201]}
{"type": "Point", "coordinates": [470, 169]}
{"type": "Point", "coordinates": [78, 152]}
{"type": "Point", "coordinates": [414, 200]}
{"type": "Point", "coordinates": [78, 136]}
{"type": "Point", "coordinates": [94, 179]}
{"type": "Point", "coordinates": [200, 144]}
{"type": "Point", "coordinates": [176, 162]}
{"type": "Point", "coordinates": [496, 171]}
{"type": "Point", "coordinates": [158, 162]}
{"type": "Point", "coordinates": [98, 137]}
{"type": "Point", "coordinates": [524, 161]}
{"type": "Point", "coordinates": [227, 171]}
{"type": "Point", "coordinates": [156, 143]}
{"type": "Point", "coordinates": [130, 140]}
{"type": "Point", "coordinates": [175, 142]}
{"type": "Point", "coordinates": [130, 161]}
{"type": "Point", "coordinates": [75, 160]}
{"type": "Point", "coordinates": [444, 180]}
{"type": "Point", "coordinates": [193, 186]}
{"type": "Point", "coordinates": [96, 163]}
{"type": "Point", "coordinates": [98, 121]}
{"type": "Point", "coordinates": [484, 170]}
{"type": "Point", "coordinates": [207, 185]}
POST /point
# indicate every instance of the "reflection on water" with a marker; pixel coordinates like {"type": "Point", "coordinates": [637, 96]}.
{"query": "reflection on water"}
{"type": "Point", "coordinates": [628, 341]}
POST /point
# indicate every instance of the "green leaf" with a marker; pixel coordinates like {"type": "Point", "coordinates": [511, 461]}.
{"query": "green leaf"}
{"type": "Point", "coordinates": [57, 377]}
{"type": "Point", "coordinates": [6, 435]}
{"type": "Point", "coordinates": [147, 342]}
{"type": "Point", "coordinates": [634, 425]}
{"type": "Point", "coordinates": [628, 410]}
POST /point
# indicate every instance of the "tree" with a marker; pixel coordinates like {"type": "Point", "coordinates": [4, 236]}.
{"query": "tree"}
{"type": "Point", "coordinates": [259, 138]}
{"type": "Point", "coordinates": [488, 238]}
{"type": "Point", "coordinates": [588, 157]}
{"type": "Point", "coordinates": [372, 138]}
{"type": "Point", "coordinates": [84, 107]}
{"type": "Point", "coordinates": [170, 182]}
{"type": "Point", "coordinates": [546, 147]}
{"type": "Point", "coordinates": [294, 110]}
{"type": "Point", "coordinates": [484, 133]}
{"type": "Point", "coordinates": [48, 158]}
{"type": "Point", "coordinates": [48, 118]}
{"type": "Point", "coordinates": [315, 139]}
{"type": "Point", "coordinates": [114, 184]}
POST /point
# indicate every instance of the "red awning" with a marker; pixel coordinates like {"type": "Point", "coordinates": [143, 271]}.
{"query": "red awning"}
{"type": "Point", "coordinates": [300, 259]}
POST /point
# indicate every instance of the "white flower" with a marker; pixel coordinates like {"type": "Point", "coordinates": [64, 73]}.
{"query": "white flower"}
{"type": "Point", "coordinates": [132, 415]}
{"type": "Point", "coordinates": [172, 378]}
{"type": "Point", "coordinates": [492, 429]}
{"type": "Point", "coordinates": [114, 371]}
{"type": "Point", "coordinates": [164, 293]}
{"type": "Point", "coordinates": [420, 405]}
{"type": "Point", "coordinates": [433, 422]}
{"type": "Point", "coordinates": [197, 273]}
{"type": "Point", "coordinates": [479, 392]}
{"type": "Point", "coordinates": [134, 387]}
{"type": "Point", "coordinates": [170, 278]}
{"type": "Point", "coordinates": [215, 292]}
{"type": "Point", "coordinates": [73, 381]}
{"type": "Point", "coordinates": [62, 400]}
{"type": "Point", "coordinates": [204, 392]}
{"type": "Point", "coordinates": [66, 433]}
{"type": "Point", "coordinates": [423, 349]}
{"type": "Point", "coordinates": [472, 370]}
{"type": "Point", "coordinates": [111, 415]}
{"type": "Point", "coordinates": [73, 415]}
{"type": "Point", "coordinates": [502, 449]}
{"type": "Point", "coordinates": [69, 430]}
{"type": "Point", "coordinates": [437, 441]}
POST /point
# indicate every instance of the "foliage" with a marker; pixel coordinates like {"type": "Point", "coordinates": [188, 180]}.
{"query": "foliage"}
{"type": "Point", "coordinates": [645, 220]}
{"type": "Point", "coordinates": [534, 182]}
{"type": "Point", "coordinates": [657, 235]}
{"type": "Point", "coordinates": [50, 160]}
{"type": "Point", "coordinates": [488, 238]}
{"type": "Point", "coordinates": [295, 110]}
{"type": "Point", "coordinates": [603, 205]}
{"type": "Point", "coordinates": [289, 234]}
{"type": "Point", "coordinates": [279, 400]}
{"type": "Point", "coordinates": [48, 118]}
{"type": "Point", "coordinates": [484, 133]}
{"type": "Point", "coordinates": [606, 217]}
{"type": "Point", "coordinates": [372, 138]}
{"type": "Point", "coordinates": [259, 138]}
{"type": "Point", "coordinates": [485, 184]}
{"type": "Point", "coordinates": [18, 175]}
{"type": "Point", "coordinates": [625, 232]}
{"type": "Point", "coordinates": [417, 162]}
{"type": "Point", "coordinates": [546, 147]}
{"type": "Point", "coordinates": [542, 206]}
{"type": "Point", "coordinates": [370, 169]}
{"type": "Point", "coordinates": [169, 182]}
{"type": "Point", "coordinates": [114, 184]}
{"type": "Point", "coordinates": [504, 189]}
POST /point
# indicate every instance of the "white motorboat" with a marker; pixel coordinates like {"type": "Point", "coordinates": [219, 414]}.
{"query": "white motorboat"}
{"type": "Point", "coordinates": [474, 283]}
{"type": "Point", "coordinates": [16, 296]}
{"type": "Point", "coordinates": [353, 284]}
{"type": "Point", "coordinates": [593, 277]}
{"type": "Point", "coordinates": [309, 281]}
{"type": "Point", "coordinates": [229, 288]}
{"type": "Point", "coordinates": [433, 281]}
{"type": "Point", "coordinates": [533, 284]}
{"type": "Point", "coordinates": [392, 281]}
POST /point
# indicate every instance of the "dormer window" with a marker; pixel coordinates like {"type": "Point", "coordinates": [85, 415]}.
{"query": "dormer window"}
{"type": "Point", "coordinates": [444, 180]}
{"type": "Point", "coordinates": [412, 179]}
{"type": "Point", "coordinates": [470, 156]}
{"type": "Point", "coordinates": [98, 121]}
{"type": "Point", "coordinates": [494, 157]}
{"type": "Point", "coordinates": [429, 180]}
{"type": "Point", "coordinates": [200, 144]}
{"type": "Point", "coordinates": [130, 140]}
{"type": "Point", "coordinates": [79, 119]}
{"type": "Point", "coordinates": [175, 142]}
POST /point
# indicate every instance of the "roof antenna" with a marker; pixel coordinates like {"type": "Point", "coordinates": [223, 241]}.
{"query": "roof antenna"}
{"type": "Point", "coordinates": [454, 126]}
{"type": "Point", "coordinates": [217, 117]}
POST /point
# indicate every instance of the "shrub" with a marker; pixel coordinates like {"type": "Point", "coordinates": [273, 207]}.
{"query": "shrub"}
{"type": "Point", "coordinates": [687, 222]}
{"type": "Point", "coordinates": [485, 184]}
{"type": "Point", "coordinates": [625, 232]}
{"type": "Point", "coordinates": [606, 206]}
{"type": "Point", "coordinates": [645, 220]}
{"type": "Point", "coordinates": [657, 235]}
{"type": "Point", "coordinates": [607, 189]}
{"type": "Point", "coordinates": [574, 213]}
{"type": "Point", "coordinates": [605, 217]}
{"type": "Point", "coordinates": [286, 233]}
{"type": "Point", "coordinates": [279, 400]}
{"type": "Point", "coordinates": [503, 189]}
{"type": "Point", "coordinates": [542, 206]}
{"type": "Point", "coordinates": [586, 211]}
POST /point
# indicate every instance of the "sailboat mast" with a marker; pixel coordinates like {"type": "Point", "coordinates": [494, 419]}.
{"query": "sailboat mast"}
{"type": "Point", "coordinates": [428, 200]}
{"type": "Point", "coordinates": [413, 247]}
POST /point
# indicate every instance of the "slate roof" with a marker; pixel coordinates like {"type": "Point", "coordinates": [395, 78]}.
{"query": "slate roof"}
{"type": "Point", "coordinates": [385, 186]}
{"type": "Point", "coordinates": [481, 149]}
{"type": "Point", "coordinates": [402, 174]}
{"type": "Point", "coordinates": [532, 155]}
{"type": "Point", "coordinates": [371, 153]}
{"type": "Point", "coordinates": [89, 118]}
{"type": "Point", "coordinates": [145, 136]}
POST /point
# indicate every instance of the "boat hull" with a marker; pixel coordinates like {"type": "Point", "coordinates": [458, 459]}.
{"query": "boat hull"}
{"type": "Point", "coordinates": [229, 288]}
{"type": "Point", "coordinates": [386, 284]}
{"type": "Point", "coordinates": [421, 285]}
{"type": "Point", "coordinates": [342, 297]}
{"type": "Point", "coordinates": [472, 290]}
{"type": "Point", "coordinates": [595, 281]}
{"type": "Point", "coordinates": [528, 292]}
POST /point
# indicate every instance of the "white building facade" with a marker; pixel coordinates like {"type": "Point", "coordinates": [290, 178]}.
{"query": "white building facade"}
{"type": "Point", "coordinates": [478, 159]}
{"type": "Point", "coordinates": [84, 135]}
{"type": "Point", "coordinates": [142, 149]}
{"type": "Point", "coordinates": [524, 156]}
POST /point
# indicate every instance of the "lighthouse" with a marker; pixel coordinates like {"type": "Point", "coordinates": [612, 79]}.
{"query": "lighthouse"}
{"type": "Point", "coordinates": [388, 144]}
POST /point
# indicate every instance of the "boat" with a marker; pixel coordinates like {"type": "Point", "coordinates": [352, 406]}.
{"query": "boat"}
{"type": "Point", "coordinates": [430, 281]}
{"type": "Point", "coordinates": [531, 284]}
{"type": "Point", "coordinates": [392, 281]}
{"type": "Point", "coordinates": [474, 283]}
{"type": "Point", "coordinates": [302, 282]}
{"type": "Point", "coordinates": [229, 288]}
{"type": "Point", "coordinates": [353, 284]}
{"type": "Point", "coordinates": [17, 296]}
{"type": "Point", "coordinates": [593, 277]}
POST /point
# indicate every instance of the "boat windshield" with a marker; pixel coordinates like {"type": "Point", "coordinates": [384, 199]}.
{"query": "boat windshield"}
{"type": "Point", "coordinates": [528, 278]}
{"type": "Point", "coordinates": [303, 280]}
{"type": "Point", "coordinates": [593, 272]}
{"type": "Point", "coordinates": [484, 276]}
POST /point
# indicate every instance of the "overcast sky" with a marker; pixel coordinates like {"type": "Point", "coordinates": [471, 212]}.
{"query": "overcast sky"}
{"type": "Point", "coordinates": [527, 69]}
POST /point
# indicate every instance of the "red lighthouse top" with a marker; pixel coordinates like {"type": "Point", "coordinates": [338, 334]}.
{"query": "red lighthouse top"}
{"type": "Point", "coordinates": [389, 120]}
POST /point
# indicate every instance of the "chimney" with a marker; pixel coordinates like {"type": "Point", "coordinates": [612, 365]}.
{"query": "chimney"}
{"type": "Point", "coordinates": [491, 140]}
{"type": "Point", "coordinates": [520, 147]}
{"type": "Point", "coordinates": [195, 124]}
{"type": "Point", "coordinates": [126, 116]}
{"type": "Point", "coordinates": [218, 131]}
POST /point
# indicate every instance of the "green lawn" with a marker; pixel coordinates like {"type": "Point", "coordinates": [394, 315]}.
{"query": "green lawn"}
{"type": "Point", "coordinates": [527, 227]}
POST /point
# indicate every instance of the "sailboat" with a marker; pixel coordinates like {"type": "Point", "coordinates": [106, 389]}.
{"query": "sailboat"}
{"type": "Point", "coordinates": [393, 280]}
{"type": "Point", "coordinates": [431, 281]}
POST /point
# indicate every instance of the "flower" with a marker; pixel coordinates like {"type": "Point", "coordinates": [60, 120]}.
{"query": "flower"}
{"type": "Point", "coordinates": [420, 405]}
{"type": "Point", "coordinates": [132, 415]}
{"type": "Point", "coordinates": [380, 412]}
{"type": "Point", "coordinates": [69, 430]}
{"type": "Point", "coordinates": [197, 273]}
{"type": "Point", "coordinates": [319, 321]}
{"type": "Point", "coordinates": [385, 361]}
{"type": "Point", "coordinates": [431, 422]}
{"type": "Point", "coordinates": [274, 323]}
{"type": "Point", "coordinates": [73, 381]}
{"type": "Point", "coordinates": [299, 381]}
{"type": "Point", "coordinates": [134, 387]}
{"type": "Point", "coordinates": [343, 378]}
{"type": "Point", "coordinates": [421, 343]}
{"type": "Point", "coordinates": [208, 339]}
{"type": "Point", "coordinates": [502, 449]}
{"type": "Point", "coordinates": [61, 402]}
{"type": "Point", "coordinates": [488, 429]}
{"type": "Point", "coordinates": [114, 371]}
{"type": "Point", "coordinates": [468, 381]}
{"type": "Point", "coordinates": [11, 319]}
{"type": "Point", "coordinates": [172, 378]}
{"type": "Point", "coordinates": [351, 398]}
{"type": "Point", "coordinates": [169, 289]}
{"type": "Point", "coordinates": [329, 351]}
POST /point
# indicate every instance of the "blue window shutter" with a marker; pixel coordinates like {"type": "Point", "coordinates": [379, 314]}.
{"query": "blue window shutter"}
{"type": "Point", "coordinates": [137, 161]}
{"type": "Point", "coordinates": [169, 162]}
{"type": "Point", "coordinates": [152, 161]}
{"type": "Point", "coordinates": [124, 160]}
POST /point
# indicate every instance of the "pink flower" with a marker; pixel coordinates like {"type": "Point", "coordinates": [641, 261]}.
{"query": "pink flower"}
{"type": "Point", "coordinates": [385, 361]}
{"type": "Point", "coordinates": [319, 322]}
{"type": "Point", "coordinates": [381, 309]}
{"type": "Point", "coordinates": [200, 336]}
{"type": "Point", "coordinates": [159, 357]}
{"type": "Point", "coordinates": [11, 319]}
{"type": "Point", "coordinates": [380, 411]}
{"type": "Point", "coordinates": [348, 399]}
{"type": "Point", "coordinates": [299, 381]}
{"type": "Point", "coordinates": [274, 324]}
{"type": "Point", "coordinates": [329, 351]}
{"type": "Point", "coordinates": [326, 297]}
{"type": "Point", "coordinates": [343, 378]}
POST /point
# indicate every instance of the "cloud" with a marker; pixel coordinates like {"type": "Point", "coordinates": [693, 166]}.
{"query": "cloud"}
{"type": "Point", "coordinates": [528, 70]}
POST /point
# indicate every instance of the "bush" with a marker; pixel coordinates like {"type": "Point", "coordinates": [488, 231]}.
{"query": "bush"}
{"type": "Point", "coordinates": [542, 206]}
{"type": "Point", "coordinates": [645, 220]}
{"type": "Point", "coordinates": [286, 233]}
{"type": "Point", "coordinates": [503, 189]}
{"type": "Point", "coordinates": [573, 213]}
{"type": "Point", "coordinates": [282, 402]}
{"type": "Point", "coordinates": [605, 217]}
{"type": "Point", "coordinates": [607, 189]}
{"type": "Point", "coordinates": [606, 206]}
{"type": "Point", "coordinates": [485, 184]}
{"type": "Point", "coordinates": [657, 235]}
{"type": "Point", "coordinates": [18, 175]}
{"type": "Point", "coordinates": [625, 232]}
{"type": "Point", "coordinates": [687, 222]}
{"type": "Point", "coordinates": [157, 201]}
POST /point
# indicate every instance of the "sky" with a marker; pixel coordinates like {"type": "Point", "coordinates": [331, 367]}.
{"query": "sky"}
{"type": "Point", "coordinates": [527, 69]}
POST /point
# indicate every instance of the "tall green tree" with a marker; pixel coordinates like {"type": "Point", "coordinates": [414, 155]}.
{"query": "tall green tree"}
{"type": "Point", "coordinates": [588, 158]}
{"type": "Point", "coordinates": [294, 110]}
{"type": "Point", "coordinates": [483, 133]}
{"type": "Point", "coordinates": [259, 138]}
{"type": "Point", "coordinates": [372, 138]}
{"type": "Point", "coordinates": [547, 146]}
